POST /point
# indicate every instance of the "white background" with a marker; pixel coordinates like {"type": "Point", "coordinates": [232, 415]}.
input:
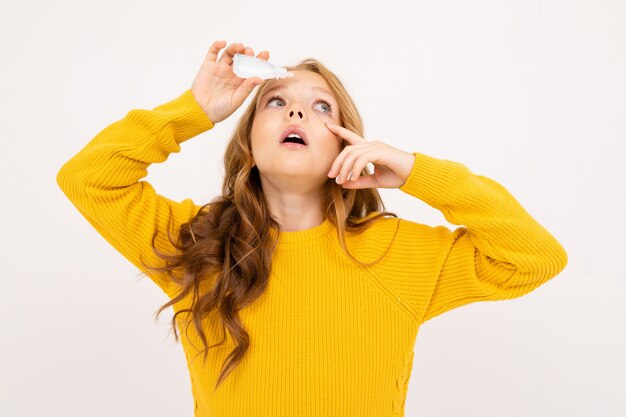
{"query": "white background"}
{"type": "Point", "coordinates": [529, 93]}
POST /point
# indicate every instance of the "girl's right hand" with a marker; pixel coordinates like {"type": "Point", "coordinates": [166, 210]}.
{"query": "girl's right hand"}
{"type": "Point", "coordinates": [216, 87]}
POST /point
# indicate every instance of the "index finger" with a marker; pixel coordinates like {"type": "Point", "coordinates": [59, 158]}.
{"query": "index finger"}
{"type": "Point", "coordinates": [229, 53]}
{"type": "Point", "coordinates": [344, 133]}
{"type": "Point", "coordinates": [214, 49]}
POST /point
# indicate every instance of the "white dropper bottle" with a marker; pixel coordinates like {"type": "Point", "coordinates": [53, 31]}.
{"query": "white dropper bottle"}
{"type": "Point", "coordinates": [245, 66]}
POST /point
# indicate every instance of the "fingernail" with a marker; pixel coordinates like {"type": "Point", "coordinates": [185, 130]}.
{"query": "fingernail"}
{"type": "Point", "coordinates": [337, 180]}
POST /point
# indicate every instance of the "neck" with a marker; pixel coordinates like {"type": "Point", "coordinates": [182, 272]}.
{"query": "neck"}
{"type": "Point", "coordinates": [294, 205]}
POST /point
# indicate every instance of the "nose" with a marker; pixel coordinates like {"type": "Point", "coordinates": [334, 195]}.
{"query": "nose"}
{"type": "Point", "coordinates": [291, 113]}
{"type": "Point", "coordinates": [296, 111]}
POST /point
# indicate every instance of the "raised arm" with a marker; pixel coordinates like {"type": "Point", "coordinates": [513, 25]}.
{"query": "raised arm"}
{"type": "Point", "coordinates": [501, 252]}
{"type": "Point", "coordinates": [103, 179]}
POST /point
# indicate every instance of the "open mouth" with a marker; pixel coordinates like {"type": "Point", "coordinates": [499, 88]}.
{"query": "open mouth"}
{"type": "Point", "coordinates": [294, 135]}
{"type": "Point", "coordinates": [294, 138]}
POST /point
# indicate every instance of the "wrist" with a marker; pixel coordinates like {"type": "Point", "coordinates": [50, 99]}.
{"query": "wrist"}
{"type": "Point", "coordinates": [200, 101]}
{"type": "Point", "coordinates": [407, 167]}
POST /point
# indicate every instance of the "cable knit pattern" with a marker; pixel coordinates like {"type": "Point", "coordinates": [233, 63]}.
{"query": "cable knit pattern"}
{"type": "Point", "coordinates": [327, 337]}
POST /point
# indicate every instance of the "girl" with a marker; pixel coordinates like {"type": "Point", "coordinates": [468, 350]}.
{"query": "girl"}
{"type": "Point", "coordinates": [303, 295]}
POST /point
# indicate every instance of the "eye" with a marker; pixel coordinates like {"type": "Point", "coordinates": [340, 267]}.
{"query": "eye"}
{"type": "Point", "coordinates": [330, 108]}
{"type": "Point", "coordinates": [327, 106]}
{"type": "Point", "coordinates": [272, 99]}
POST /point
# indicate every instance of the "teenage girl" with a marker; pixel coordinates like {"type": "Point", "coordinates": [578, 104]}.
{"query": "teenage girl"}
{"type": "Point", "coordinates": [296, 292]}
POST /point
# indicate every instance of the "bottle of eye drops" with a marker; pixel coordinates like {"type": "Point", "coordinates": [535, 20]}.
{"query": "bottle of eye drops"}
{"type": "Point", "coordinates": [245, 66]}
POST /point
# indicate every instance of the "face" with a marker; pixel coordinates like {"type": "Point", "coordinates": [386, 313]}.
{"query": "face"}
{"type": "Point", "coordinates": [305, 102]}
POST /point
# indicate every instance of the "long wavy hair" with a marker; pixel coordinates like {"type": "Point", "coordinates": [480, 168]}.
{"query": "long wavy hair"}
{"type": "Point", "coordinates": [227, 246]}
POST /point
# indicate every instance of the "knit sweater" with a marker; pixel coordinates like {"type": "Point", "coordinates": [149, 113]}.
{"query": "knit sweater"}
{"type": "Point", "coordinates": [328, 337]}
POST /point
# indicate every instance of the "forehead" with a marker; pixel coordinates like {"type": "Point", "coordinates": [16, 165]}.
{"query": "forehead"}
{"type": "Point", "coordinates": [305, 80]}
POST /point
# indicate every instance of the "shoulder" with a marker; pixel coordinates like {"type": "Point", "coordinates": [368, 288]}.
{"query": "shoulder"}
{"type": "Point", "coordinates": [400, 241]}
{"type": "Point", "coordinates": [401, 231]}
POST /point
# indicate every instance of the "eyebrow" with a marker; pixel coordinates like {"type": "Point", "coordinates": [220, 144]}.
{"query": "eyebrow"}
{"type": "Point", "coordinates": [282, 86]}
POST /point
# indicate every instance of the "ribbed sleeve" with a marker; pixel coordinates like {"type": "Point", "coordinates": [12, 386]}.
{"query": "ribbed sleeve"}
{"type": "Point", "coordinates": [501, 252]}
{"type": "Point", "coordinates": [103, 179]}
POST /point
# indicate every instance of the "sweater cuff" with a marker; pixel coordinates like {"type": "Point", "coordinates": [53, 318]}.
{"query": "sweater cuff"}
{"type": "Point", "coordinates": [432, 179]}
{"type": "Point", "coordinates": [182, 118]}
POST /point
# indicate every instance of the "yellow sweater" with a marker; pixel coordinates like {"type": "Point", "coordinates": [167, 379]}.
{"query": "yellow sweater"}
{"type": "Point", "coordinates": [328, 337]}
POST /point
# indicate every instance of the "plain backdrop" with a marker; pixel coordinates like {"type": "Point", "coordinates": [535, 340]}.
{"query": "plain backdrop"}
{"type": "Point", "coordinates": [529, 93]}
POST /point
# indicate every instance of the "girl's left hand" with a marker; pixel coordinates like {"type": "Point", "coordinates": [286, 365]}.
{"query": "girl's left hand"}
{"type": "Point", "coordinates": [391, 166]}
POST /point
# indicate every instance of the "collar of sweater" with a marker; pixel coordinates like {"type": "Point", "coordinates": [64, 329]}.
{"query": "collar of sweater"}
{"type": "Point", "coordinates": [302, 235]}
